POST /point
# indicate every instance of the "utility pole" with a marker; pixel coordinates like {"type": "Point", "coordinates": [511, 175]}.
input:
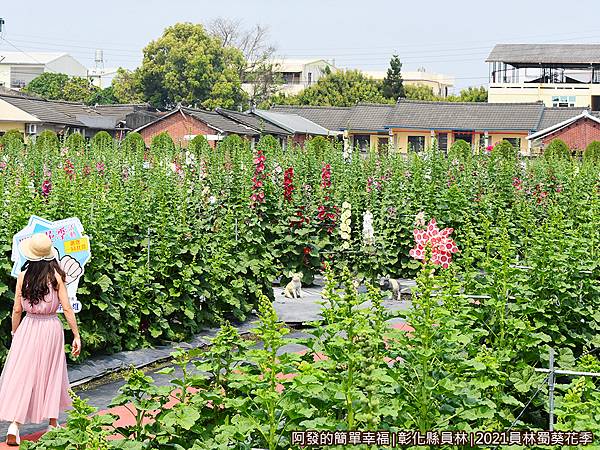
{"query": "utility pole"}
{"type": "Point", "coordinates": [1, 25]}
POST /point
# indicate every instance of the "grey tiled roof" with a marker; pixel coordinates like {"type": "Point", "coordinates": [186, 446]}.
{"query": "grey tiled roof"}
{"type": "Point", "coordinates": [48, 111]}
{"type": "Point", "coordinates": [219, 122]}
{"type": "Point", "coordinates": [253, 121]}
{"type": "Point", "coordinates": [369, 116]}
{"type": "Point", "coordinates": [331, 117]}
{"type": "Point", "coordinates": [552, 116]}
{"type": "Point", "coordinates": [546, 53]}
{"type": "Point", "coordinates": [294, 123]}
{"type": "Point", "coordinates": [104, 117]}
{"type": "Point", "coordinates": [465, 116]}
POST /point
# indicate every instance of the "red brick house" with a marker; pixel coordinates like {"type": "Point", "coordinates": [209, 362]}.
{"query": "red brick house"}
{"type": "Point", "coordinates": [577, 132]}
{"type": "Point", "coordinates": [183, 124]}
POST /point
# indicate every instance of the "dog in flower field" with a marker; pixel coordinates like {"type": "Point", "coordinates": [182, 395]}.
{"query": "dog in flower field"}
{"type": "Point", "coordinates": [388, 283]}
{"type": "Point", "coordinates": [294, 287]}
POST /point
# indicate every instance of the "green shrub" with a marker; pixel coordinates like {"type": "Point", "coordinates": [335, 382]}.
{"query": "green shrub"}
{"type": "Point", "coordinates": [75, 141]}
{"type": "Point", "coordinates": [47, 141]}
{"type": "Point", "coordinates": [504, 149]}
{"type": "Point", "coordinates": [102, 142]}
{"type": "Point", "coordinates": [199, 145]}
{"type": "Point", "coordinates": [460, 150]}
{"type": "Point", "coordinates": [592, 152]}
{"type": "Point", "coordinates": [162, 144]}
{"type": "Point", "coordinates": [231, 144]}
{"type": "Point", "coordinates": [557, 149]}
{"type": "Point", "coordinates": [268, 144]}
{"type": "Point", "coordinates": [133, 144]}
{"type": "Point", "coordinates": [318, 145]}
{"type": "Point", "coordinates": [16, 135]}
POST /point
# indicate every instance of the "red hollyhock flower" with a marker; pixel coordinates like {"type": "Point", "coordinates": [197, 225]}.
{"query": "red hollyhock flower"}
{"type": "Point", "coordinates": [288, 184]}
{"type": "Point", "coordinates": [69, 169]}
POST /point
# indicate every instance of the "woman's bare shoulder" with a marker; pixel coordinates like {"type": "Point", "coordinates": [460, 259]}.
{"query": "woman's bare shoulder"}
{"type": "Point", "coordinates": [59, 279]}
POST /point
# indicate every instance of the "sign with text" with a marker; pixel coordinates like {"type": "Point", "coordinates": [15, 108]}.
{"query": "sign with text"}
{"type": "Point", "coordinates": [68, 239]}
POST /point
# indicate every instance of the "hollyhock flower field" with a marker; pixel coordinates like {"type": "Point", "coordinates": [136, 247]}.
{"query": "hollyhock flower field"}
{"type": "Point", "coordinates": [505, 253]}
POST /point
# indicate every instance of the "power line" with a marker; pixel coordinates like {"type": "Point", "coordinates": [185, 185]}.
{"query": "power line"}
{"type": "Point", "coordinates": [323, 50]}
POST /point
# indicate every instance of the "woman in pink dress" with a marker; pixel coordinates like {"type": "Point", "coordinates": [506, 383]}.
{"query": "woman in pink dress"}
{"type": "Point", "coordinates": [34, 384]}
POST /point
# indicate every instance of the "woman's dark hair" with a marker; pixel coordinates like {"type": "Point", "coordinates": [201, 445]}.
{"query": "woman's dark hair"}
{"type": "Point", "coordinates": [36, 279]}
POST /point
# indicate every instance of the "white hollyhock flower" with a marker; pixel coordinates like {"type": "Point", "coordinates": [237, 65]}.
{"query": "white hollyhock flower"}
{"type": "Point", "coordinates": [212, 199]}
{"type": "Point", "coordinates": [368, 231]}
{"type": "Point", "coordinates": [345, 226]}
{"type": "Point", "coordinates": [190, 158]}
{"type": "Point", "coordinates": [420, 219]}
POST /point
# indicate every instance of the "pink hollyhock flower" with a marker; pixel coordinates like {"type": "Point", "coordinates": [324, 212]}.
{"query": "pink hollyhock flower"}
{"type": "Point", "coordinates": [46, 188]}
{"type": "Point", "coordinates": [517, 183]}
{"type": "Point", "coordinates": [326, 176]}
{"type": "Point", "coordinates": [489, 148]}
{"type": "Point", "coordinates": [100, 168]}
{"type": "Point", "coordinates": [258, 195]}
{"type": "Point", "coordinates": [442, 246]}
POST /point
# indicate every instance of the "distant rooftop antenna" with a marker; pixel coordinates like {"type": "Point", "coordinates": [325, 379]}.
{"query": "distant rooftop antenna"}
{"type": "Point", "coordinates": [421, 69]}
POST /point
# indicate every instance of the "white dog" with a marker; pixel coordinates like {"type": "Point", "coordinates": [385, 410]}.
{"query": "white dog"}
{"type": "Point", "coordinates": [294, 287]}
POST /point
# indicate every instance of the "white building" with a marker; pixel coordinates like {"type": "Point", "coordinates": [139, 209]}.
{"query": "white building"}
{"type": "Point", "coordinates": [440, 84]}
{"type": "Point", "coordinates": [17, 69]}
{"type": "Point", "coordinates": [560, 75]}
{"type": "Point", "coordinates": [297, 74]}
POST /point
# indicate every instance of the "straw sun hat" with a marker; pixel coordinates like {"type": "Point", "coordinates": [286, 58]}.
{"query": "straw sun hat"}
{"type": "Point", "coordinates": [38, 248]}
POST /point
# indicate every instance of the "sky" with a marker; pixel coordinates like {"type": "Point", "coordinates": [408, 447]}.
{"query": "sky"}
{"type": "Point", "coordinates": [443, 36]}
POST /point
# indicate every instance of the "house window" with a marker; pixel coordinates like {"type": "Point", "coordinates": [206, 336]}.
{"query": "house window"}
{"type": "Point", "coordinates": [309, 78]}
{"type": "Point", "coordinates": [515, 142]}
{"type": "Point", "coordinates": [362, 142]}
{"type": "Point", "coordinates": [291, 77]}
{"type": "Point", "coordinates": [563, 101]}
{"type": "Point", "coordinates": [482, 139]}
{"type": "Point", "coordinates": [442, 142]}
{"type": "Point", "coordinates": [416, 143]}
{"type": "Point", "coordinates": [467, 137]}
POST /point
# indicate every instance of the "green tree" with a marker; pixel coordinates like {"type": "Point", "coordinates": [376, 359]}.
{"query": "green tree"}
{"type": "Point", "coordinates": [127, 86]}
{"type": "Point", "coordinates": [48, 85]}
{"type": "Point", "coordinates": [187, 65]}
{"type": "Point", "coordinates": [104, 96]}
{"type": "Point", "coordinates": [343, 88]}
{"type": "Point", "coordinates": [258, 72]}
{"type": "Point", "coordinates": [473, 94]}
{"type": "Point", "coordinates": [392, 87]}
{"type": "Point", "coordinates": [58, 86]}
{"type": "Point", "coordinates": [79, 89]}
{"type": "Point", "coordinates": [420, 92]}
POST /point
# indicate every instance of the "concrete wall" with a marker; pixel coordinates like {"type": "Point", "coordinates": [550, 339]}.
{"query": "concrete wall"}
{"type": "Point", "coordinates": [4, 75]}
{"type": "Point", "coordinates": [528, 92]}
{"type": "Point", "coordinates": [67, 64]}
{"type": "Point", "coordinates": [5, 126]}
{"type": "Point", "coordinates": [401, 145]}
